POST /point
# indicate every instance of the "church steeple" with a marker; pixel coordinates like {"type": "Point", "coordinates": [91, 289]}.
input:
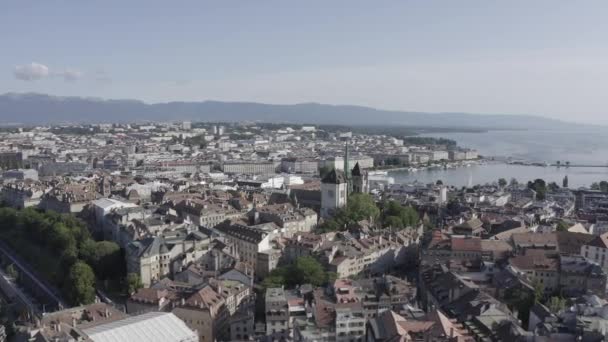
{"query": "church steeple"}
{"type": "Point", "coordinates": [347, 171]}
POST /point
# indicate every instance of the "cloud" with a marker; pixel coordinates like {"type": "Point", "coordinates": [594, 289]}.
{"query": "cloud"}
{"type": "Point", "coordinates": [70, 75]}
{"type": "Point", "coordinates": [36, 71]}
{"type": "Point", "coordinates": [31, 72]}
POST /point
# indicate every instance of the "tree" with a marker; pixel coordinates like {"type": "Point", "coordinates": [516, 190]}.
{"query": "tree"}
{"type": "Point", "coordinates": [553, 186]}
{"type": "Point", "coordinates": [513, 182]}
{"type": "Point", "coordinates": [565, 182]}
{"type": "Point", "coordinates": [407, 215]}
{"type": "Point", "coordinates": [360, 207]}
{"type": "Point", "coordinates": [393, 222]}
{"type": "Point", "coordinates": [558, 163]}
{"type": "Point", "coordinates": [603, 186]}
{"type": "Point", "coordinates": [133, 283]}
{"type": "Point", "coordinates": [556, 304]}
{"type": "Point", "coordinates": [540, 187]}
{"type": "Point", "coordinates": [308, 270]}
{"type": "Point", "coordinates": [562, 226]}
{"type": "Point", "coordinates": [439, 182]}
{"type": "Point", "coordinates": [502, 182]}
{"type": "Point", "coordinates": [80, 284]}
{"type": "Point", "coordinates": [410, 217]}
{"type": "Point", "coordinates": [105, 257]}
{"type": "Point", "coordinates": [520, 299]}
{"type": "Point", "coordinates": [595, 186]}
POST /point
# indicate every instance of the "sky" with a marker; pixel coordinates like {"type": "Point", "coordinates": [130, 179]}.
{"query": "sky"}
{"type": "Point", "coordinates": [546, 58]}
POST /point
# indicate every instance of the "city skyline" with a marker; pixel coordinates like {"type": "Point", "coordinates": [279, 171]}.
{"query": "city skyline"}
{"type": "Point", "coordinates": [544, 58]}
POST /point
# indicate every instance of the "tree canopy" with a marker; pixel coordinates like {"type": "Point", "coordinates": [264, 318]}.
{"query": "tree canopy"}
{"type": "Point", "coordinates": [60, 248]}
{"type": "Point", "coordinates": [397, 216]}
{"type": "Point", "coordinates": [359, 207]}
{"type": "Point", "coordinates": [80, 284]}
{"type": "Point", "coordinates": [306, 270]}
{"type": "Point", "coordinates": [540, 187]}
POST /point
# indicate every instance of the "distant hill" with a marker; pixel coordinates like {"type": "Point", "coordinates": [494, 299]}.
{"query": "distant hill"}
{"type": "Point", "coordinates": [30, 108]}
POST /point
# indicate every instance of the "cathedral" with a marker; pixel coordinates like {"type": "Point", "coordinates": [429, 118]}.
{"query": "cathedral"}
{"type": "Point", "coordinates": [337, 185]}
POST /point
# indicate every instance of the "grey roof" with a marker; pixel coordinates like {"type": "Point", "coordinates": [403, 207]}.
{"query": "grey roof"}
{"type": "Point", "coordinates": [334, 177]}
{"type": "Point", "coordinates": [150, 327]}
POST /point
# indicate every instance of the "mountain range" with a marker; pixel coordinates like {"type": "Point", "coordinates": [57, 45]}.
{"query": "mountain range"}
{"type": "Point", "coordinates": [33, 108]}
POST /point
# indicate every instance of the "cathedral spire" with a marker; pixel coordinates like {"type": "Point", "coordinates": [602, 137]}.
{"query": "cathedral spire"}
{"type": "Point", "coordinates": [347, 170]}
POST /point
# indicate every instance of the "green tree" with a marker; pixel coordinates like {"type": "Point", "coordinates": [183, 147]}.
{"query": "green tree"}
{"type": "Point", "coordinates": [502, 182]}
{"type": "Point", "coordinates": [105, 257]}
{"type": "Point", "coordinates": [540, 187]}
{"type": "Point", "coordinates": [595, 186]}
{"type": "Point", "coordinates": [562, 226]}
{"type": "Point", "coordinates": [520, 299]}
{"type": "Point", "coordinates": [410, 217]}
{"type": "Point", "coordinates": [407, 215]}
{"type": "Point", "coordinates": [393, 222]}
{"type": "Point", "coordinates": [513, 182]}
{"type": "Point", "coordinates": [80, 284]}
{"type": "Point", "coordinates": [308, 270]}
{"type": "Point", "coordinates": [133, 283]}
{"type": "Point", "coordinates": [331, 277]}
{"type": "Point", "coordinates": [360, 207]}
{"type": "Point", "coordinates": [553, 187]}
{"type": "Point", "coordinates": [556, 304]}
{"type": "Point", "coordinates": [565, 182]}
{"type": "Point", "coordinates": [439, 182]}
{"type": "Point", "coordinates": [603, 186]}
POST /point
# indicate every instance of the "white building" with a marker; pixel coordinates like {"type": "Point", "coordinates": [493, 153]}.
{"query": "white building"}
{"type": "Point", "coordinates": [149, 327]}
{"type": "Point", "coordinates": [596, 250]}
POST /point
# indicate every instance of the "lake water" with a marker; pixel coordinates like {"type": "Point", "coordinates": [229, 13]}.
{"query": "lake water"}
{"type": "Point", "coordinates": [491, 172]}
{"type": "Point", "coordinates": [587, 146]}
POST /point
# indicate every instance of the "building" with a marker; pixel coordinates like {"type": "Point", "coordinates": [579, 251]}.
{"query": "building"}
{"type": "Point", "coordinates": [299, 165]}
{"type": "Point", "coordinates": [23, 194]}
{"type": "Point", "coordinates": [11, 160]}
{"type": "Point", "coordinates": [277, 314]}
{"type": "Point", "coordinates": [596, 250]}
{"type": "Point", "coordinates": [251, 167]}
{"type": "Point", "coordinates": [149, 258]}
{"type": "Point", "coordinates": [20, 174]}
{"type": "Point", "coordinates": [249, 241]}
{"type": "Point", "coordinates": [204, 311]}
{"type": "Point", "coordinates": [360, 180]}
{"type": "Point", "coordinates": [149, 327]}
{"type": "Point", "coordinates": [334, 192]}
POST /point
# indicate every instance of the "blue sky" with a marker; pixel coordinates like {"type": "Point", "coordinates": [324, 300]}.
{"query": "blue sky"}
{"type": "Point", "coordinates": [514, 57]}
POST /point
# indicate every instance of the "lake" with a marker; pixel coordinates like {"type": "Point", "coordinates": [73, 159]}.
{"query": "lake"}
{"type": "Point", "coordinates": [491, 172]}
{"type": "Point", "coordinates": [579, 146]}
{"type": "Point", "coordinates": [589, 146]}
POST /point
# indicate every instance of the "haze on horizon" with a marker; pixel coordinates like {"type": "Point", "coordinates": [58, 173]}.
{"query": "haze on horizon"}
{"type": "Point", "coordinates": [545, 57]}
